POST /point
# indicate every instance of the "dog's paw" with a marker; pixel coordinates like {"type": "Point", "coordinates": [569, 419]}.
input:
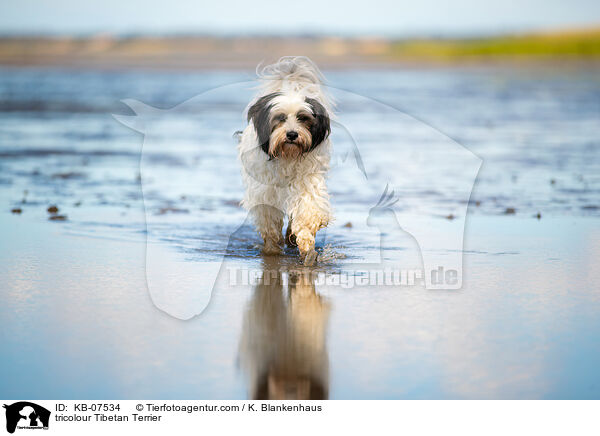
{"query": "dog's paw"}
{"type": "Point", "coordinates": [310, 258]}
{"type": "Point", "coordinates": [271, 248]}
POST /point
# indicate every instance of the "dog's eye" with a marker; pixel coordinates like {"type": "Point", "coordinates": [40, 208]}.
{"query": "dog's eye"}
{"type": "Point", "coordinates": [303, 118]}
{"type": "Point", "coordinates": [280, 118]}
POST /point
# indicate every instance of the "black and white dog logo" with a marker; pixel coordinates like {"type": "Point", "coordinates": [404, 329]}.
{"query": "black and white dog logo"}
{"type": "Point", "coordinates": [26, 415]}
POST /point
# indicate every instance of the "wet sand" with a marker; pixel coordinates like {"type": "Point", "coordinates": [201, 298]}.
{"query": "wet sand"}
{"type": "Point", "coordinates": [82, 194]}
{"type": "Point", "coordinates": [525, 324]}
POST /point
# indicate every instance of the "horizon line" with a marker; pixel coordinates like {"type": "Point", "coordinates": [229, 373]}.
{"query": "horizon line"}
{"type": "Point", "coordinates": [316, 34]}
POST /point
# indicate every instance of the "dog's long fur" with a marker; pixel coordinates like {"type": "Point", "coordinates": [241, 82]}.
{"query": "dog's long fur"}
{"type": "Point", "coordinates": [283, 176]}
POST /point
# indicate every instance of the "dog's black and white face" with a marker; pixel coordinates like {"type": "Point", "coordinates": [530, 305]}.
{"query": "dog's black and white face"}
{"type": "Point", "coordinates": [289, 125]}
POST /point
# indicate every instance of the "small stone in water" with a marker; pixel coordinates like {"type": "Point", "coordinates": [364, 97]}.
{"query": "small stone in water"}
{"type": "Point", "coordinates": [510, 211]}
{"type": "Point", "coordinates": [52, 209]}
{"type": "Point", "coordinates": [348, 225]}
{"type": "Point", "coordinates": [58, 218]}
{"type": "Point", "coordinates": [16, 210]}
{"type": "Point", "coordinates": [166, 210]}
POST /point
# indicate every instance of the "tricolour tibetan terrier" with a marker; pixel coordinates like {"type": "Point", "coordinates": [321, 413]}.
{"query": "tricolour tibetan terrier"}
{"type": "Point", "coordinates": [284, 153]}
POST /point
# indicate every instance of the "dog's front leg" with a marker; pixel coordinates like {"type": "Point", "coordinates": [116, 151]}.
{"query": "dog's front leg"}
{"type": "Point", "coordinates": [269, 222]}
{"type": "Point", "coordinates": [309, 214]}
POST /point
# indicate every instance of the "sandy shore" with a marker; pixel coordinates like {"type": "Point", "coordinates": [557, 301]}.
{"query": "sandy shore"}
{"type": "Point", "coordinates": [579, 48]}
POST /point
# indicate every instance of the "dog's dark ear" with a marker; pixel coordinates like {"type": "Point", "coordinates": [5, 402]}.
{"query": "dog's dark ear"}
{"type": "Point", "coordinates": [321, 128]}
{"type": "Point", "coordinates": [259, 114]}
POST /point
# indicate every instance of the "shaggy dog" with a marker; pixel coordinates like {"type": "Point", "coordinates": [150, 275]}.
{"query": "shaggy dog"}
{"type": "Point", "coordinates": [285, 152]}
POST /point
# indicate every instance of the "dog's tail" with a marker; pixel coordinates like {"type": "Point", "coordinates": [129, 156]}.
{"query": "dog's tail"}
{"type": "Point", "coordinates": [292, 74]}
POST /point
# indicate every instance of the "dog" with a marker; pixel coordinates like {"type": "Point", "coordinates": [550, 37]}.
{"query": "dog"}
{"type": "Point", "coordinates": [285, 155]}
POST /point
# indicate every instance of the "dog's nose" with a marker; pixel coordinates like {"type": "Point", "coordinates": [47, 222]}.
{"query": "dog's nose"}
{"type": "Point", "coordinates": [292, 135]}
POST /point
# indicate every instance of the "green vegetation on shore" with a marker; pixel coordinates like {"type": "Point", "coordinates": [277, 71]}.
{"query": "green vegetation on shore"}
{"type": "Point", "coordinates": [573, 44]}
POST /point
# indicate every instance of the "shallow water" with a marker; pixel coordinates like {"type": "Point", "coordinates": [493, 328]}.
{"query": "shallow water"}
{"type": "Point", "coordinates": [524, 325]}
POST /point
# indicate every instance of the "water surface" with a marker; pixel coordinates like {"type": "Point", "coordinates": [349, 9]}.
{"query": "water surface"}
{"type": "Point", "coordinates": [524, 325]}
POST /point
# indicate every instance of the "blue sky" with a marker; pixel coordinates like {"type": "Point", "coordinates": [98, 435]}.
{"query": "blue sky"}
{"type": "Point", "coordinates": [373, 17]}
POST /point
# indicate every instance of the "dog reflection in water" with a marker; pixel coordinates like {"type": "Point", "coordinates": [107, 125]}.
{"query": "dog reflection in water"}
{"type": "Point", "coordinates": [283, 345]}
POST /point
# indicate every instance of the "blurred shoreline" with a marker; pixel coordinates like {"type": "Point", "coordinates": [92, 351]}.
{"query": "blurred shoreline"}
{"type": "Point", "coordinates": [567, 48]}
